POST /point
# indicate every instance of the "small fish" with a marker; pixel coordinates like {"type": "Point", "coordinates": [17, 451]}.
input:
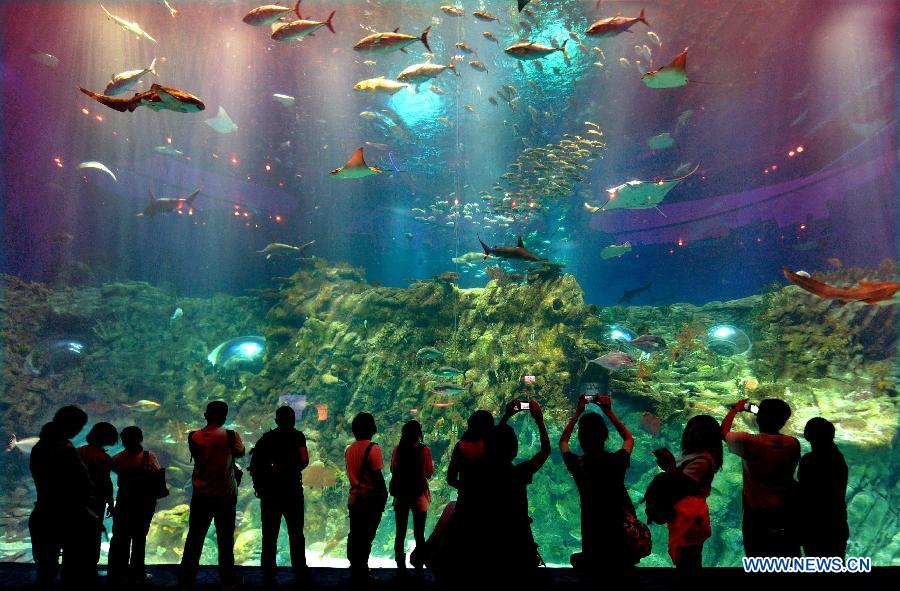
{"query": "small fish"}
{"type": "Point", "coordinates": [835, 262]}
{"type": "Point", "coordinates": [490, 37]}
{"type": "Point", "coordinates": [48, 59]}
{"type": "Point", "coordinates": [99, 166]}
{"type": "Point", "coordinates": [443, 121]}
{"type": "Point", "coordinates": [483, 15]}
{"type": "Point", "coordinates": [493, 101]}
{"type": "Point", "coordinates": [380, 84]}
{"type": "Point", "coordinates": [168, 150]}
{"type": "Point", "coordinates": [436, 89]}
{"type": "Point", "coordinates": [465, 48]}
{"type": "Point", "coordinates": [469, 108]}
{"type": "Point", "coordinates": [176, 315]}
{"type": "Point", "coordinates": [649, 343]}
{"type": "Point", "coordinates": [370, 63]}
{"type": "Point", "coordinates": [143, 406]}
{"type": "Point", "coordinates": [284, 99]}
{"type": "Point", "coordinates": [529, 50]}
{"type": "Point", "coordinates": [429, 353]}
{"type": "Point", "coordinates": [23, 445]}
{"type": "Point", "coordinates": [476, 65]}
{"type": "Point", "coordinates": [655, 38]}
{"type": "Point", "coordinates": [448, 388]}
{"type": "Point", "coordinates": [448, 372]}
{"type": "Point", "coordinates": [453, 10]}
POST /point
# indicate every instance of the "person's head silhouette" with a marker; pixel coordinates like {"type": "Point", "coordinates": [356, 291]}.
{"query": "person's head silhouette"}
{"type": "Point", "coordinates": [773, 414]}
{"type": "Point", "coordinates": [703, 433]}
{"type": "Point", "coordinates": [132, 437]}
{"type": "Point", "coordinates": [479, 425]}
{"type": "Point", "coordinates": [411, 433]}
{"type": "Point", "coordinates": [216, 413]}
{"type": "Point", "coordinates": [285, 417]}
{"type": "Point", "coordinates": [819, 432]}
{"type": "Point", "coordinates": [363, 426]}
{"type": "Point", "coordinates": [70, 420]}
{"type": "Point", "coordinates": [102, 435]}
{"type": "Point", "coordinates": [592, 433]}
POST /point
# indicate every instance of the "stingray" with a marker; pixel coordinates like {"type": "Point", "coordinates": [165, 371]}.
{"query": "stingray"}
{"type": "Point", "coordinates": [355, 168]}
{"type": "Point", "coordinates": [639, 194]}
{"type": "Point", "coordinates": [222, 123]}
{"type": "Point", "coordinates": [672, 75]}
{"type": "Point", "coordinates": [99, 166]}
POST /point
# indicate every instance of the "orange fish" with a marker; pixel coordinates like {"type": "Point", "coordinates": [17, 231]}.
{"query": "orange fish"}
{"type": "Point", "coordinates": [322, 412]}
{"type": "Point", "coordinates": [835, 262]}
{"type": "Point", "coordinates": [870, 292]}
{"type": "Point", "coordinates": [651, 423]}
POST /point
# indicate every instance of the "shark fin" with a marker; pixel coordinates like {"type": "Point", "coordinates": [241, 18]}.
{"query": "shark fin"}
{"type": "Point", "coordinates": [190, 198]}
{"type": "Point", "coordinates": [397, 30]}
{"type": "Point", "coordinates": [424, 38]}
{"type": "Point", "coordinates": [484, 247]}
{"type": "Point", "coordinates": [152, 68]}
{"type": "Point", "coordinates": [297, 9]}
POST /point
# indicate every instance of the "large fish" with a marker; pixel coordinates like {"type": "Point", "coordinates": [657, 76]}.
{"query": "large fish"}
{"type": "Point", "coordinates": [381, 43]}
{"type": "Point", "coordinates": [158, 98]}
{"type": "Point", "coordinates": [610, 27]}
{"type": "Point", "coordinates": [870, 292]}
{"type": "Point", "coordinates": [168, 204]}
{"type": "Point", "coordinates": [355, 168]}
{"type": "Point", "coordinates": [129, 26]}
{"type": "Point", "coordinates": [416, 74]}
{"type": "Point", "coordinates": [301, 28]}
{"type": "Point", "coordinates": [269, 14]}
{"type": "Point", "coordinates": [672, 75]}
{"type": "Point", "coordinates": [125, 81]}
{"type": "Point", "coordinates": [277, 248]}
{"type": "Point", "coordinates": [529, 50]}
{"type": "Point", "coordinates": [517, 252]}
{"type": "Point", "coordinates": [380, 84]}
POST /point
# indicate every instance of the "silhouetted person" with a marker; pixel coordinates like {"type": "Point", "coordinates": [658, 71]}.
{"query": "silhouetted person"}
{"type": "Point", "coordinates": [465, 459]}
{"type": "Point", "coordinates": [770, 459]}
{"type": "Point", "coordinates": [600, 478]}
{"type": "Point", "coordinates": [277, 464]}
{"type": "Point", "coordinates": [215, 494]}
{"type": "Point", "coordinates": [411, 467]}
{"type": "Point", "coordinates": [701, 458]}
{"type": "Point", "coordinates": [63, 519]}
{"type": "Point", "coordinates": [368, 494]}
{"type": "Point", "coordinates": [823, 488]}
{"type": "Point", "coordinates": [512, 552]}
{"type": "Point", "coordinates": [135, 505]}
{"type": "Point", "coordinates": [98, 463]}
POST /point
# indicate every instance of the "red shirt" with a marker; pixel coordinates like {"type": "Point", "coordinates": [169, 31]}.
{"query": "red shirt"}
{"type": "Point", "coordinates": [769, 464]}
{"type": "Point", "coordinates": [213, 462]}
{"type": "Point", "coordinates": [354, 456]}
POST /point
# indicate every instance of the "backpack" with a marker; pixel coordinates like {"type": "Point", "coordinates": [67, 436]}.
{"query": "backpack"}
{"type": "Point", "coordinates": [662, 494]}
{"type": "Point", "coordinates": [266, 460]}
{"type": "Point", "coordinates": [407, 481]}
{"type": "Point", "coordinates": [261, 468]}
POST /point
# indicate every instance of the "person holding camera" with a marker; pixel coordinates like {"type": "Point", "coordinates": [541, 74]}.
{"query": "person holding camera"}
{"type": "Point", "coordinates": [701, 458]}
{"type": "Point", "coordinates": [511, 542]}
{"type": "Point", "coordinates": [770, 459]}
{"type": "Point", "coordinates": [368, 494]}
{"type": "Point", "coordinates": [600, 477]}
{"type": "Point", "coordinates": [215, 482]}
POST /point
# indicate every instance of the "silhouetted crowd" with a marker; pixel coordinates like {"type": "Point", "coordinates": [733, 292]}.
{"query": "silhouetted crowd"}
{"type": "Point", "coordinates": [484, 534]}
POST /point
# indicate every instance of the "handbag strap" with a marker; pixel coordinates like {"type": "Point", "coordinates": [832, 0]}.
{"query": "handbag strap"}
{"type": "Point", "coordinates": [362, 467]}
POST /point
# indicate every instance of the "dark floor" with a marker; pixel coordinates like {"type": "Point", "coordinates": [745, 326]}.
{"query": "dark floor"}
{"type": "Point", "coordinates": [21, 576]}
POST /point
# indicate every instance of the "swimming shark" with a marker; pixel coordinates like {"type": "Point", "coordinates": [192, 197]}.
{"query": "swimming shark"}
{"type": "Point", "coordinates": [639, 194]}
{"type": "Point", "coordinates": [158, 98]}
{"type": "Point", "coordinates": [870, 292]}
{"type": "Point", "coordinates": [517, 252]}
{"type": "Point", "coordinates": [672, 75]}
{"type": "Point", "coordinates": [125, 81]}
{"type": "Point", "coordinates": [129, 26]}
{"type": "Point", "coordinates": [355, 168]}
{"type": "Point", "coordinates": [167, 204]}
{"type": "Point", "coordinates": [277, 248]}
{"type": "Point", "coordinates": [630, 294]}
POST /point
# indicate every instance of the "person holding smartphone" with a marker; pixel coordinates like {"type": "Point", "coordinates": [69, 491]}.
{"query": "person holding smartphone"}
{"type": "Point", "coordinates": [600, 477]}
{"type": "Point", "coordinates": [770, 460]}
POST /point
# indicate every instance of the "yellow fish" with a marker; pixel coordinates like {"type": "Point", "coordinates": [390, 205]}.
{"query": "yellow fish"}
{"type": "Point", "coordinates": [143, 406]}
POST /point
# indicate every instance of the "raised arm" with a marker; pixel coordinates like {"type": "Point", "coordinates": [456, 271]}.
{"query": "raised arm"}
{"type": "Point", "coordinates": [541, 456]}
{"type": "Point", "coordinates": [729, 418]}
{"type": "Point", "coordinates": [627, 440]}
{"type": "Point", "coordinates": [509, 412]}
{"type": "Point", "coordinates": [570, 426]}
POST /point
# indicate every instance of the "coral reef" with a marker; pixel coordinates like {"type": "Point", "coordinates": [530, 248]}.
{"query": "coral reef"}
{"type": "Point", "coordinates": [351, 346]}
